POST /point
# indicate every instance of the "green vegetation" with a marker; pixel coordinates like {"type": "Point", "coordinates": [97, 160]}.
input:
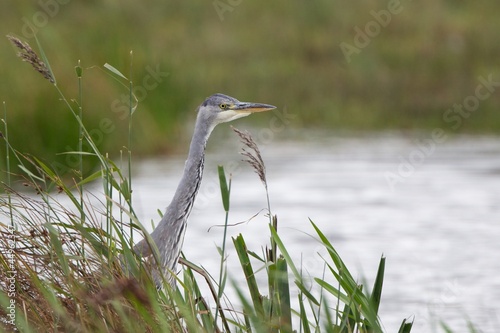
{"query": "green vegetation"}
{"type": "Point", "coordinates": [73, 269]}
{"type": "Point", "coordinates": [68, 278]}
{"type": "Point", "coordinates": [425, 60]}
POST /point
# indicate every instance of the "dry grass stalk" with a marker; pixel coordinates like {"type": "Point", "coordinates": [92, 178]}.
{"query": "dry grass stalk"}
{"type": "Point", "coordinates": [29, 258]}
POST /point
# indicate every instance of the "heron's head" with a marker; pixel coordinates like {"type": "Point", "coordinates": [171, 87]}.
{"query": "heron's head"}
{"type": "Point", "coordinates": [220, 108]}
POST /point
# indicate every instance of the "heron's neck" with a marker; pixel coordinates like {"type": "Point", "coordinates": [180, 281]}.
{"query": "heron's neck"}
{"type": "Point", "coordinates": [193, 171]}
{"type": "Point", "coordinates": [169, 234]}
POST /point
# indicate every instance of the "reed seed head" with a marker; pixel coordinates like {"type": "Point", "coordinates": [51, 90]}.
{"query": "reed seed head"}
{"type": "Point", "coordinates": [27, 54]}
{"type": "Point", "coordinates": [254, 159]}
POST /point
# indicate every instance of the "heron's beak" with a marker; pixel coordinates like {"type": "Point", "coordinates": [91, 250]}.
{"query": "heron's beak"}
{"type": "Point", "coordinates": [244, 107]}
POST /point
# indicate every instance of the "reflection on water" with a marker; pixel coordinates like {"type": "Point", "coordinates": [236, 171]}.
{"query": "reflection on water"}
{"type": "Point", "coordinates": [432, 210]}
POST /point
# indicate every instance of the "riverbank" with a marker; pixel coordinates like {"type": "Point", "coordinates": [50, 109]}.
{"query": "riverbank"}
{"type": "Point", "coordinates": [360, 66]}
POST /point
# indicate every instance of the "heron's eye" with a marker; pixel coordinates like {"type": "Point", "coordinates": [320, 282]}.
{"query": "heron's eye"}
{"type": "Point", "coordinates": [223, 106]}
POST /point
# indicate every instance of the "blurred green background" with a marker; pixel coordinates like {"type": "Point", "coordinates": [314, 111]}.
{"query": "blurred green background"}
{"type": "Point", "coordinates": [405, 74]}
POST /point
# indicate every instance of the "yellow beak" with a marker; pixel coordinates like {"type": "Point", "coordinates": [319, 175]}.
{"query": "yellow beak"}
{"type": "Point", "coordinates": [252, 107]}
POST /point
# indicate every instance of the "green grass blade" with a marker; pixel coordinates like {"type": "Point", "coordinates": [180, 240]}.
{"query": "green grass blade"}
{"type": "Point", "coordinates": [224, 189]}
{"type": "Point", "coordinates": [377, 285]}
{"type": "Point", "coordinates": [330, 324]}
{"type": "Point", "coordinates": [45, 59]}
{"type": "Point", "coordinates": [303, 316]}
{"type": "Point", "coordinates": [193, 291]}
{"type": "Point", "coordinates": [406, 327]}
{"type": "Point", "coordinates": [284, 253]}
{"type": "Point", "coordinates": [335, 256]}
{"type": "Point", "coordinates": [246, 265]}
{"type": "Point", "coordinates": [114, 71]}
{"type": "Point", "coordinates": [48, 171]}
{"type": "Point", "coordinates": [333, 291]}
{"type": "Point", "coordinates": [253, 318]}
{"type": "Point", "coordinates": [55, 240]}
{"type": "Point", "coordinates": [283, 290]}
{"type": "Point", "coordinates": [90, 178]}
{"type": "Point", "coordinates": [306, 293]}
{"type": "Point", "coordinates": [29, 173]}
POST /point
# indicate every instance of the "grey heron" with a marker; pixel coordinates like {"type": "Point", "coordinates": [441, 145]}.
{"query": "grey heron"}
{"type": "Point", "coordinates": [168, 236]}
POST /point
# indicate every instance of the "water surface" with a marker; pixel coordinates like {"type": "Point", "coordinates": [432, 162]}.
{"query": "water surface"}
{"type": "Point", "coordinates": [431, 208]}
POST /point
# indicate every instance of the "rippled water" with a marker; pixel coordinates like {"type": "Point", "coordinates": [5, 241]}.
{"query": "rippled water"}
{"type": "Point", "coordinates": [433, 209]}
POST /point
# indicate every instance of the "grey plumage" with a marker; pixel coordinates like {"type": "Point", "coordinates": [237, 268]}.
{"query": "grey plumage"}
{"type": "Point", "coordinates": [168, 236]}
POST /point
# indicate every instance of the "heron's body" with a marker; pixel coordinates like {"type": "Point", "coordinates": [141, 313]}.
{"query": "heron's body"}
{"type": "Point", "coordinates": [169, 234]}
